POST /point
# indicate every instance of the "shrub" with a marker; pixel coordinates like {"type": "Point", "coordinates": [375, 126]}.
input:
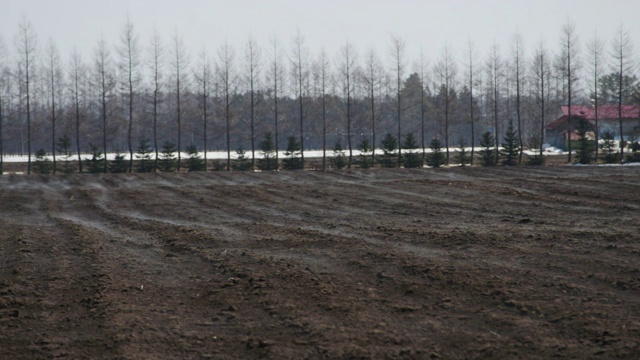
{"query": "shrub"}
{"type": "Point", "coordinates": [43, 164]}
{"type": "Point", "coordinates": [268, 161]}
{"type": "Point", "coordinates": [389, 147]}
{"type": "Point", "coordinates": [487, 154]}
{"type": "Point", "coordinates": [411, 159]}
{"type": "Point", "coordinates": [339, 160]}
{"type": "Point", "coordinates": [194, 162]}
{"type": "Point", "coordinates": [292, 153]}
{"type": "Point", "coordinates": [436, 158]}
{"type": "Point", "coordinates": [366, 151]}
{"type": "Point", "coordinates": [143, 154]}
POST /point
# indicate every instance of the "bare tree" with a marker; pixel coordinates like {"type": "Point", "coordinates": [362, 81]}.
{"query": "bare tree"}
{"type": "Point", "coordinates": [397, 52]}
{"type": "Point", "coordinates": [129, 62]}
{"type": "Point", "coordinates": [54, 75]}
{"type": "Point", "coordinates": [105, 83]}
{"type": "Point", "coordinates": [622, 65]}
{"type": "Point", "coordinates": [373, 79]}
{"type": "Point", "coordinates": [26, 41]}
{"type": "Point", "coordinates": [156, 55]}
{"type": "Point", "coordinates": [226, 74]}
{"type": "Point", "coordinates": [2, 94]}
{"type": "Point", "coordinates": [180, 66]}
{"type": "Point", "coordinates": [571, 65]}
{"type": "Point", "coordinates": [299, 60]}
{"type": "Point", "coordinates": [77, 71]}
{"type": "Point", "coordinates": [347, 67]}
{"type": "Point", "coordinates": [275, 75]}
{"type": "Point", "coordinates": [422, 70]}
{"type": "Point", "coordinates": [495, 75]}
{"type": "Point", "coordinates": [252, 71]}
{"type": "Point", "coordinates": [472, 53]}
{"type": "Point", "coordinates": [203, 76]}
{"type": "Point", "coordinates": [541, 78]}
{"type": "Point", "coordinates": [321, 79]}
{"type": "Point", "coordinates": [518, 67]}
{"type": "Point", "coordinates": [596, 49]}
{"type": "Point", "coordinates": [446, 71]}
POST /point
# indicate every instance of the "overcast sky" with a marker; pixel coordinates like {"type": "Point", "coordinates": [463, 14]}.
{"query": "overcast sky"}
{"type": "Point", "coordinates": [424, 24]}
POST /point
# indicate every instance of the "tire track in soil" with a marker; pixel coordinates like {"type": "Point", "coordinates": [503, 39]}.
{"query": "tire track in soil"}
{"type": "Point", "coordinates": [172, 225]}
{"type": "Point", "coordinates": [54, 286]}
{"type": "Point", "coordinates": [149, 276]}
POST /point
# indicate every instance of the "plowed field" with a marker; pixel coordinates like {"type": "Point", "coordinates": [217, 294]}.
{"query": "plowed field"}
{"type": "Point", "coordinates": [457, 263]}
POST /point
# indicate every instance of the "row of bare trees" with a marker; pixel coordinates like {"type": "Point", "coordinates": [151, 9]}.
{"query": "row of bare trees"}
{"type": "Point", "coordinates": [130, 91]}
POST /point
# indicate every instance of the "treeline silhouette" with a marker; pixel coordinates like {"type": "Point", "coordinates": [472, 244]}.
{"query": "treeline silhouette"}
{"type": "Point", "coordinates": [142, 98]}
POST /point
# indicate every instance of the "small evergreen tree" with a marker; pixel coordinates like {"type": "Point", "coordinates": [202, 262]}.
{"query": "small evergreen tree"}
{"type": "Point", "coordinates": [119, 164]}
{"type": "Point", "coordinates": [411, 159]}
{"type": "Point", "coordinates": [168, 157]}
{"type": "Point", "coordinates": [510, 147]}
{"type": "Point", "coordinates": [436, 158]}
{"type": "Point", "coordinates": [143, 154]}
{"type": "Point", "coordinates": [487, 154]}
{"type": "Point", "coordinates": [43, 164]}
{"type": "Point", "coordinates": [63, 147]}
{"type": "Point", "coordinates": [585, 146]}
{"type": "Point", "coordinates": [268, 161]}
{"type": "Point", "coordinates": [635, 153]}
{"type": "Point", "coordinates": [389, 147]}
{"type": "Point", "coordinates": [608, 147]}
{"type": "Point", "coordinates": [96, 165]}
{"type": "Point", "coordinates": [219, 165]}
{"type": "Point", "coordinates": [463, 157]}
{"type": "Point", "coordinates": [339, 160]}
{"type": "Point", "coordinates": [241, 162]}
{"type": "Point", "coordinates": [292, 153]}
{"type": "Point", "coordinates": [365, 154]}
{"type": "Point", "coordinates": [536, 160]}
{"type": "Point", "coordinates": [194, 162]}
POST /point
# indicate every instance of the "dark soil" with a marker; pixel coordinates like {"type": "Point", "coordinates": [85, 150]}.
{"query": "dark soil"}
{"type": "Point", "coordinates": [458, 263]}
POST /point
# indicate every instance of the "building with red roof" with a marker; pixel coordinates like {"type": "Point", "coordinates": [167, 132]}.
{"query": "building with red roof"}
{"type": "Point", "coordinates": [556, 131]}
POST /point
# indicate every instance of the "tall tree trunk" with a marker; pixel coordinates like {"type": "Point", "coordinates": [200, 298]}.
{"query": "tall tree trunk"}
{"type": "Point", "coordinates": [373, 122]}
{"type": "Point", "coordinates": [423, 104]}
{"type": "Point", "coordinates": [76, 93]}
{"type": "Point", "coordinates": [620, 81]}
{"type": "Point", "coordinates": [52, 81]}
{"type": "Point", "coordinates": [1, 129]}
{"type": "Point", "coordinates": [518, 96]}
{"type": "Point", "coordinates": [204, 128]}
{"type": "Point", "coordinates": [104, 120]}
{"type": "Point", "coordinates": [227, 113]}
{"type": "Point", "coordinates": [323, 85]}
{"type": "Point", "coordinates": [179, 115]}
{"type": "Point", "coordinates": [399, 112]}
{"type": "Point", "coordinates": [397, 53]}
{"type": "Point", "coordinates": [27, 66]}
{"type": "Point", "coordinates": [348, 78]}
{"type": "Point", "coordinates": [253, 136]}
{"type": "Point", "coordinates": [324, 128]}
{"type": "Point", "coordinates": [205, 99]}
{"type": "Point", "coordinates": [471, 107]}
{"type": "Point", "coordinates": [130, 130]}
{"type": "Point", "coordinates": [155, 114]}
{"type": "Point", "coordinates": [276, 74]}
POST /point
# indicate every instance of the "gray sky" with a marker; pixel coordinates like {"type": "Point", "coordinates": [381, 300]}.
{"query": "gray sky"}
{"type": "Point", "coordinates": [424, 24]}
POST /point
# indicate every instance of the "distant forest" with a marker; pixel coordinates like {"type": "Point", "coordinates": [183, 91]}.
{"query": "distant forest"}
{"type": "Point", "coordinates": [135, 89]}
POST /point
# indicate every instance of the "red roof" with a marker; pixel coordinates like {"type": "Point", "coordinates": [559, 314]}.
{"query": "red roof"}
{"type": "Point", "coordinates": [559, 122]}
{"type": "Point", "coordinates": [605, 112]}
